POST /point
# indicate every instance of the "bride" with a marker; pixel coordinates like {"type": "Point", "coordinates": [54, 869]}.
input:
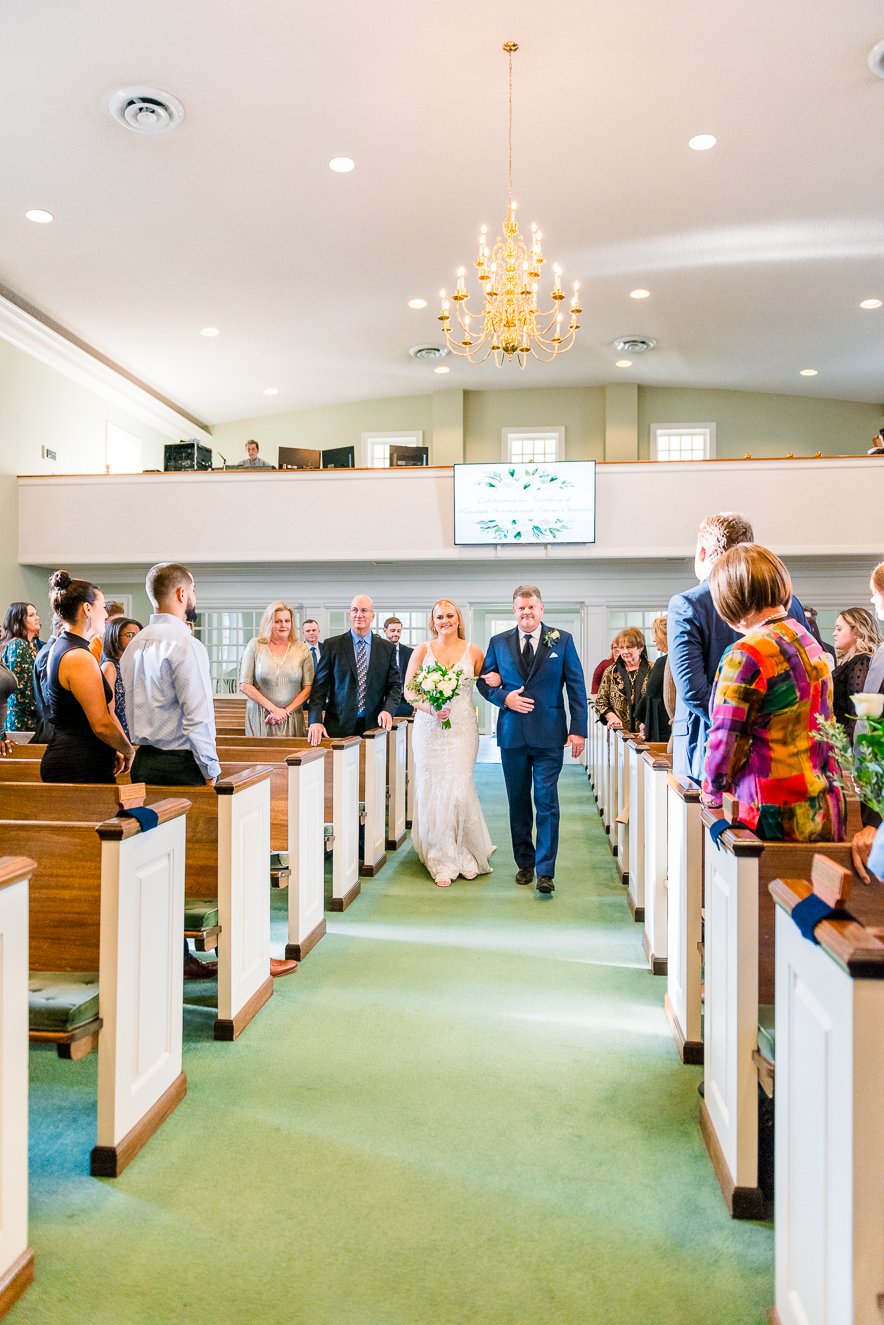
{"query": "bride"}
{"type": "Point", "coordinates": [448, 830]}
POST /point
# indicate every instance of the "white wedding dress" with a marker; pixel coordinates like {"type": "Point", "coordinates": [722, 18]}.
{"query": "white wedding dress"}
{"type": "Point", "coordinates": [448, 828]}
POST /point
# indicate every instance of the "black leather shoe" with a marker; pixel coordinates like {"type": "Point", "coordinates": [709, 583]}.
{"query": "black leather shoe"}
{"type": "Point", "coordinates": [525, 876]}
{"type": "Point", "coordinates": [545, 884]}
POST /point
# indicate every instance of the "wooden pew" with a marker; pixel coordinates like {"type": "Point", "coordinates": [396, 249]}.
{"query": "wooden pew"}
{"type": "Point", "coordinates": [655, 766]}
{"type": "Point", "coordinates": [829, 1136]}
{"type": "Point", "coordinates": [612, 808]}
{"type": "Point", "coordinates": [16, 1257]}
{"type": "Point", "coordinates": [620, 827]}
{"type": "Point", "coordinates": [739, 979]}
{"type": "Point", "coordinates": [230, 714]}
{"type": "Point", "coordinates": [685, 849]}
{"type": "Point", "coordinates": [228, 848]}
{"type": "Point", "coordinates": [107, 897]}
{"type": "Point", "coordinates": [397, 783]}
{"type": "Point", "coordinates": [297, 819]}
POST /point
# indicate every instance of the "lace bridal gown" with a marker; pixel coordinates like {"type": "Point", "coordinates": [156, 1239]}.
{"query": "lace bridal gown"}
{"type": "Point", "coordinates": [448, 830]}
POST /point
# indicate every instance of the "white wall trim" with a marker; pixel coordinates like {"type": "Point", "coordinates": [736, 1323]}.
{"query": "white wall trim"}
{"type": "Point", "coordinates": [27, 332]}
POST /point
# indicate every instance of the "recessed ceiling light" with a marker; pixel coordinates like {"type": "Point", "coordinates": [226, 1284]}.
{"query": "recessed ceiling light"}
{"type": "Point", "coordinates": [701, 142]}
{"type": "Point", "coordinates": [341, 165]}
{"type": "Point", "coordinates": [442, 369]}
{"type": "Point", "coordinates": [623, 363]}
{"type": "Point", "coordinates": [271, 391]}
{"type": "Point", "coordinates": [210, 331]}
{"type": "Point", "coordinates": [809, 372]}
{"type": "Point", "coordinates": [639, 294]}
{"type": "Point", "coordinates": [417, 303]}
{"type": "Point", "coordinates": [37, 214]}
{"type": "Point", "coordinates": [870, 303]}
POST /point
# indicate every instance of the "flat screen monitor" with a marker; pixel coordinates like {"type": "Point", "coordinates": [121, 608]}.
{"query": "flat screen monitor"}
{"type": "Point", "coordinates": [299, 457]}
{"type": "Point", "coordinates": [409, 456]}
{"type": "Point", "coordinates": [339, 457]}
{"type": "Point", "coordinates": [520, 504]}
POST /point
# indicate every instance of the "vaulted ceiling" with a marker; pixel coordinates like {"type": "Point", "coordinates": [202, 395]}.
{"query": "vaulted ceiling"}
{"type": "Point", "coordinates": [756, 253]}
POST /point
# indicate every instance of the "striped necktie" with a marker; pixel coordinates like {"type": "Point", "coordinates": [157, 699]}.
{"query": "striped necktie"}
{"type": "Point", "coordinates": [361, 673]}
{"type": "Point", "coordinates": [315, 656]}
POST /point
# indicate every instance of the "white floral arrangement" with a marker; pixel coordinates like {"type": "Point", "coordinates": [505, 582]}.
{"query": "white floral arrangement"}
{"type": "Point", "coordinates": [436, 685]}
{"type": "Point", "coordinates": [551, 638]}
{"type": "Point", "coordinates": [861, 759]}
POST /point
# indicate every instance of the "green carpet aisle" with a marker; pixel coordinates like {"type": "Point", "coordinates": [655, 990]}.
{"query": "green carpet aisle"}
{"type": "Point", "coordinates": [465, 1107]}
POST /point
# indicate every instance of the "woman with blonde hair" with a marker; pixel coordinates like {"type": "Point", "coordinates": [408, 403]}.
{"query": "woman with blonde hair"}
{"type": "Point", "coordinates": [856, 637]}
{"type": "Point", "coordinates": [276, 676]}
{"type": "Point", "coordinates": [448, 829]}
{"type": "Point", "coordinates": [623, 685]}
{"type": "Point", "coordinates": [771, 688]}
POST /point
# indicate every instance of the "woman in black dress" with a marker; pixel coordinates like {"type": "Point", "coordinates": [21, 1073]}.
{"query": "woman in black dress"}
{"type": "Point", "coordinates": [87, 743]}
{"type": "Point", "coordinates": [653, 719]}
{"type": "Point", "coordinates": [856, 638]}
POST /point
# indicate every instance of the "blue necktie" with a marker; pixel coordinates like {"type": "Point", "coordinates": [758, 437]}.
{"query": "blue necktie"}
{"type": "Point", "coordinates": [315, 658]}
{"type": "Point", "coordinates": [361, 674]}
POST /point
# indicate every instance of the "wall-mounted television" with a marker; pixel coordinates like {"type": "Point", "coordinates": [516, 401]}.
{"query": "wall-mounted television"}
{"type": "Point", "coordinates": [339, 457]}
{"type": "Point", "coordinates": [525, 504]}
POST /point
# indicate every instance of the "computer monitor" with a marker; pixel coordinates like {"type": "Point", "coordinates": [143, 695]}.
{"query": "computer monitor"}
{"type": "Point", "coordinates": [339, 457]}
{"type": "Point", "coordinates": [299, 457]}
{"type": "Point", "coordinates": [409, 456]}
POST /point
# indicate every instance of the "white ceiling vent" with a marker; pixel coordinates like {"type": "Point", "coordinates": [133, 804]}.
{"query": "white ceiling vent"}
{"type": "Point", "coordinates": [145, 110]}
{"type": "Point", "coordinates": [634, 344]}
{"type": "Point", "coordinates": [425, 352]}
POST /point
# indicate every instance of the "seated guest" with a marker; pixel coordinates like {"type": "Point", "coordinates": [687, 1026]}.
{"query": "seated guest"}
{"type": "Point", "coordinates": [118, 634]}
{"type": "Point", "coordinates": [604, 665]}
{"type": "Point", "coordinates": [87, 743]}
{"type": "Point", "coordinates": [770, 689]}
{"type": "Point", "coordinates": [252, 460]}
{"type": "Point", "coordinates": [623, 685]}
{"type": "Point", "coordinates": [276, 675]}
{"type": "Point", "coordinates": [653, 720]}
{"type": "Point", "coordinates": [113, 609]}
{"type": "Point", "coordinates": [856, 637]}
{"type": "Point", "coordinates": [20, 641]}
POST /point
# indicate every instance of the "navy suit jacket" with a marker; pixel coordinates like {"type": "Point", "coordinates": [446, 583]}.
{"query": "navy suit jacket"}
{"type": "Point", "coordinates": [697, 638]}
{"type": "Point", "coordinates": [556, 669]}
{"type": "Point", "coordinates": [334, 686]}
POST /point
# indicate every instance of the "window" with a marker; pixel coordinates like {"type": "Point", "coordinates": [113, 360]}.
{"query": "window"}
{"type": "Point", "coordinates": [636, 616]}
{"type": "Point", "coordinates": [376, 446]}
{"type": "Point", "coordinates": [528, 446]}
{"type": "Point", "coordinates": [414, 622]}
{"type": "Point", "coordinates": [686, 441]}
{"type": "Point", "coordinates": [225, 635]}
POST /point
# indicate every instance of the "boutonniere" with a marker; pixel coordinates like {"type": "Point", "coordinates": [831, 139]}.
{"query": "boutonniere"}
{"type": "Point", "coordinates": [551, 637]}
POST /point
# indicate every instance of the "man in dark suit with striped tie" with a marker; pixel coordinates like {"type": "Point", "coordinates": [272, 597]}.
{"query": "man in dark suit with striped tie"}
{"type": "Point", "coordinates": [357, 685]}
{"type": "Point", "coordinates": [393, 632]}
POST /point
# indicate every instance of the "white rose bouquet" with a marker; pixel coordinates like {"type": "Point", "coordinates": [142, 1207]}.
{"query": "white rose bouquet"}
{"type": "Point", "coordinates": [862, 759]}
{"type": "Point", "coordinates": [436, 685]}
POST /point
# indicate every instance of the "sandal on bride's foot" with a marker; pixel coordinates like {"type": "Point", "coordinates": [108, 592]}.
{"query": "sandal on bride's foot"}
{"type": "Point", "coordinates": [443, 883]}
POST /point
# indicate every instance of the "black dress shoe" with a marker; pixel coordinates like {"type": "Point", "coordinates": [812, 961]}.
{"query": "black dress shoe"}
{"type": "Point", "coordinates": [545, 884]}
{"type": "Point", "coordinates": [525, 876]}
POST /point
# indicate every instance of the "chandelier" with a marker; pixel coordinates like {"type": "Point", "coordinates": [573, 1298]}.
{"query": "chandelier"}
{"type": "Point", "coordinates": [509, 325]}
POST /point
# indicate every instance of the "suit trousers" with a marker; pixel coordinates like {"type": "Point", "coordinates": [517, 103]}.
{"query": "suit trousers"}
{"type": "Point", "coordinates": [526, 768]}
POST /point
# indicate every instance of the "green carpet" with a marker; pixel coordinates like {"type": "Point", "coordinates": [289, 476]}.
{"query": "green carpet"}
{"type": "Point", "coordinates": [465, 1107]}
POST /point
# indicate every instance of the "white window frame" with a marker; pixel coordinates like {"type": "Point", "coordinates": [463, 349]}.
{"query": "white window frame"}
{"type": "Point", "coordinates": [374, 456]}
{"type": "Point", "coordinates": [509, 436]}
{"type": "Point", "coordinates": [686, 428]}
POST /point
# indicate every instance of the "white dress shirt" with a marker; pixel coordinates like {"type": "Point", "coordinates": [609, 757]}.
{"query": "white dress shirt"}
{"type": "Point", "coordinates": [165, 673]}
{"type": "Point", "coordinates": [532, 635]}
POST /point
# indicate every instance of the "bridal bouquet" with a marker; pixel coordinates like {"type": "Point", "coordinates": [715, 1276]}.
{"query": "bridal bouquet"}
{"type": "Point", "coordinates": [862, 760]}
{"type": "Point", "coordinates": [437, 686]}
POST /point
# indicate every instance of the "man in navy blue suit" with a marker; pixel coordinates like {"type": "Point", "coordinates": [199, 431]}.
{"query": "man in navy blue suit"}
{"type": "Point", "coordinates": [697, 639]}
{"type": "Point", "coordinates": [536, 665]}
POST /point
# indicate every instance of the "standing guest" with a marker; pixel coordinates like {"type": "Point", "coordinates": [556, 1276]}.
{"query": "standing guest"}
{"type": "Point", "coordinates": [165, 672]}
{"type": "Point", "coordinates": [358, 683]}
{"type": "Point", "coordinates": [276, 675]}
{"type": "Point", "coordinates": [653, 720]}
{"type": "Point", "coordinates": [604, 665]}
{"type": "Point", "coordinates": [697, 639]}
{"type": "Point", "coordinates": [623, 685]}
{"type": "Point", "coordinates": [310, 635]}
{"type": "Point", "coordinates": [393, 632]}
{"type": "Point", "coordinates": [118, 635]}
{"type": "Point", "coordinates": [813, 626]}
{"type": "Point", "coordinates": [114, 608]}
{"type": "Point", "coordinates": [526, 674]}
{"type": "Point", "coordinates": [87, 742]}
{"type": "Point", "coordinates": [856, 637]}
{"type": "Point", "coordinates": [252, 460]}
{"type": "Point", "coordinates": [771, 687]}
{"type": "Point", "coordinates": [41, 662]}
{"type": "Point", "coordinates": [875, 677]}
{"type": "Point", "coordinates": [20, 641]}
{"type": "Point", "coordinates": [8, 686]}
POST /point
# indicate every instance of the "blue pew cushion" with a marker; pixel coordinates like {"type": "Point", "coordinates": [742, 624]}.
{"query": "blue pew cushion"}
{"type": "Point", "coordinates": [62, 1000]}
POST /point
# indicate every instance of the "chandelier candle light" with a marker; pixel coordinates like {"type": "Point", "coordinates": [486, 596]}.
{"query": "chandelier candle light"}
{"type": "Point", "coordinates": [511, 325]}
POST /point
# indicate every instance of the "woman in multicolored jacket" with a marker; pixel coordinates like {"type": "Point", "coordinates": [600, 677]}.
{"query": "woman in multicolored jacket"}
{"type": "Point", "coordinates": [770, 688]}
